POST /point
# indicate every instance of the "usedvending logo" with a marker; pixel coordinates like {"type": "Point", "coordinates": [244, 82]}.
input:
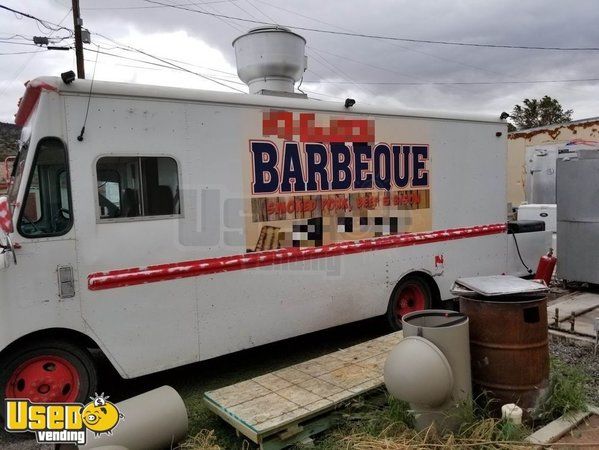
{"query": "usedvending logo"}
{"type": "Point", "coordinates": [62, 423]}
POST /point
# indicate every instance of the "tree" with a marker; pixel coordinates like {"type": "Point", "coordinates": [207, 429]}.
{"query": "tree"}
{"type": "Point", "coordinates": [538, 113]}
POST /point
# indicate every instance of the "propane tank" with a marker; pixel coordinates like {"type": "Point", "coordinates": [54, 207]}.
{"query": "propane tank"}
{"type": "Point", "coordinates": [545, 267]}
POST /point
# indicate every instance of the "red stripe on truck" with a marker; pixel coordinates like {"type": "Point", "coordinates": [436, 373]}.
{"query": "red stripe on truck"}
{"type": "Point", "coordinates": [172, 271]}
{"type": "Point", "coordinates": [29, 100]}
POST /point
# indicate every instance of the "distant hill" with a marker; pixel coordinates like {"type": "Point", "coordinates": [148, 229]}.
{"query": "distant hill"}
{"type": "Point", "coordinates": [9, 134]}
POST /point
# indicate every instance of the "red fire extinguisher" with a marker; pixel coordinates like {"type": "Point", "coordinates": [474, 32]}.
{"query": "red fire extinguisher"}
{"type": "Point", "coordinates": [545, 267]}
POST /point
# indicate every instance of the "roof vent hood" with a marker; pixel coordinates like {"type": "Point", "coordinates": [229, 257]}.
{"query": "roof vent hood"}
{"type": "Point", "coordinates": [270, 60]}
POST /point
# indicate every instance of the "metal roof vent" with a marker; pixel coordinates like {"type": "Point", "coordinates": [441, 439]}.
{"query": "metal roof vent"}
{"type": "Point", "coordinates": [270, 60]}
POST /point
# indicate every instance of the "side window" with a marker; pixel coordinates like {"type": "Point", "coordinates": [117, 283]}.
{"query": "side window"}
{"type": "Point", "coordinates": [130, 187]}
{"type": "Point", "coordinates": [47, 204]}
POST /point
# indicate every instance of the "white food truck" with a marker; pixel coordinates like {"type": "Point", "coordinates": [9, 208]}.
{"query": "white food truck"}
{"type": "Point", "coordinates": [179, 225]}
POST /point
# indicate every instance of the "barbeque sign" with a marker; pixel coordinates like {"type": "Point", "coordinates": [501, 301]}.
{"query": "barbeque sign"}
{"type": "Point", "coordinates": [316, 179]}
{"type": "Point", "coordinates": [337, 158]}
{"type": "Point", "coordinates": [62, 423]}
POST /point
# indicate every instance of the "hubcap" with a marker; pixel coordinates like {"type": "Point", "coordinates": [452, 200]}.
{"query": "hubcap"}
{"type": "Point", "coordinates": [411, 298]}
{"type": "Point", "coordinates": [44, 379]}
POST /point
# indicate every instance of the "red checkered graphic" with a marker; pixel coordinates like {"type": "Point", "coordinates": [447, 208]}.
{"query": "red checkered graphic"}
{"type": "Point", "coordinates": [5, 215]}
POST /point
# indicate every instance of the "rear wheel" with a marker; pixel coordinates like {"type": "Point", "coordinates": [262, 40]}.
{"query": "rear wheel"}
{"type": "Point", "coordinates": [411, 294]}
{"type": "Point", "coordinates": [49, 372]}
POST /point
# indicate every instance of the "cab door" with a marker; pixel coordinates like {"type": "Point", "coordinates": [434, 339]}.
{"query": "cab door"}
{"type": "Point", "coordinates": [44, 277]}
{"type": "Point", "coordinates": [39, 290]}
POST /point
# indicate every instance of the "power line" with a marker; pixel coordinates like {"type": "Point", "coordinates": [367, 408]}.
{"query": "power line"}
{"type": "Point", "coordinates": [164, 66]}
{"type": "Point", "coordinates": [229, 23]}
{"type": "Point", "coordinates": [327, 63]}
{"type": "Point", "coordinates": [238, 6]}
{"type": "Point", "coordinates": [394, 44]}
{"type": "Point", "coordinates": [372, 66]}
{"type": "Point", "coordinates": [28, 60]}
{"type": "Point", "coordinates": [14, 36]}
{"type": "Point", "coordinates": [22, 53]}
{"type": "Point", "coordinates": [46, 24]}
{"type": "Point", "coordinates": [102, 8]}
{"type": "Point", "coordinates": [442, 83]}
{"type": "Point", "coordinates": [170, 63]}
{"type": "Point", "coordinates": [18, 43]}
{"type": "Point", "coordinates": [378, 36]}
{"type": "Point", "coordinates": [260, 11]}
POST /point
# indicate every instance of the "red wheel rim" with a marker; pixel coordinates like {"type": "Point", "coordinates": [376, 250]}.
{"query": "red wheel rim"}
{"type": "Point", "coordinates": [411, 298]}
{"type": "Point", "coordinates": [44, 379]}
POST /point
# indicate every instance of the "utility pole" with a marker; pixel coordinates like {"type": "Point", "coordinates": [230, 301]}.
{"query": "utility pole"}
{"type": "Point", "coordinates": [78, 22]}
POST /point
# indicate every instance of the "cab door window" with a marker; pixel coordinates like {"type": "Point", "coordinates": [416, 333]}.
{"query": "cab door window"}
{"type": "Point", "coordinates": [47, 203]}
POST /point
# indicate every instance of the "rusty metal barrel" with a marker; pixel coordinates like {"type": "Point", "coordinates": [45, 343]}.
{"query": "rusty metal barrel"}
{"type": "Point", "coordinates": [509, 349]}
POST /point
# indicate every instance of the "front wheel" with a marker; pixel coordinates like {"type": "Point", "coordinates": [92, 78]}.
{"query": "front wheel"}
{"type": "Point", "coordinates": [411, 294]}
{"type": "Point", "coordinates": [49, 372]}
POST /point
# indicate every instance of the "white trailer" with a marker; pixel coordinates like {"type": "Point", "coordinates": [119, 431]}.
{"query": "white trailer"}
{"type": "Point", "coordinates": [184, 224]}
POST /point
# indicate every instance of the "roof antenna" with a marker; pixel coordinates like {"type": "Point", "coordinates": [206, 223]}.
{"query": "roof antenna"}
{"type": "Point", "coordinates": [89, 97]}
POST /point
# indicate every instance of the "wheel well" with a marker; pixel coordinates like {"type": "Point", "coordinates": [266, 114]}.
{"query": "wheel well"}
{"type": "Point", "coordinates": [72, 336]}
{"type": "Point", "coordinates": [430, 281]}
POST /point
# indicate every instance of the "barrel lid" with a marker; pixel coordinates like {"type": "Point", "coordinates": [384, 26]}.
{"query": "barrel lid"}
{"type": "Point", "coordinates": [497, 286]}
{"type": "Point", "coordinates": [442, 318]}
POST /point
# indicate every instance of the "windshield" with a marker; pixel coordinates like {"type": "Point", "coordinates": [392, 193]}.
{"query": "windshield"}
{"type": "Point", "coordinates": [17, 173]}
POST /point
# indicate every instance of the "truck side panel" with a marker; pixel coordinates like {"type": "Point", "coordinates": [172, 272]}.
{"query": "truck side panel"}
{"type": "Point", "coordinates": [163, 324]}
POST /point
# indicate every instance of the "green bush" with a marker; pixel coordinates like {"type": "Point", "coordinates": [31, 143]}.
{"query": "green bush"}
{"type": "Point", "coordinates": [566, 391]}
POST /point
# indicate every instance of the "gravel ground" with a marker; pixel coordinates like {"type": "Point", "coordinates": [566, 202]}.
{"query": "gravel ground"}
{"type": "Point", "coordinates": [579, 353]}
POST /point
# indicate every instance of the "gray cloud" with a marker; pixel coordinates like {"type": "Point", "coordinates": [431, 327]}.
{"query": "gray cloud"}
{"type": "Point", "coordinates": [339, 58]}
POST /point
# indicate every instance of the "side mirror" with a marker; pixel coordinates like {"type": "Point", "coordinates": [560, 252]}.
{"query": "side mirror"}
{"type": "Point", "coordinates": [5, 215]}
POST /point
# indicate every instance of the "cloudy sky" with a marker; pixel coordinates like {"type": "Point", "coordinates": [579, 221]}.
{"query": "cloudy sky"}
{"type": "Point", "coordinates": [339, 66]}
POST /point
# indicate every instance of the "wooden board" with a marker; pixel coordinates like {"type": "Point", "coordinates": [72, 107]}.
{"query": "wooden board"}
{"type": "Point", "coordinates": [280, 402]}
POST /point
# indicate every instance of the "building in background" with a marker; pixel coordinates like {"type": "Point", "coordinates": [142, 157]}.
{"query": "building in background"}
{"type": "Point", "coordinates": [536, 150]}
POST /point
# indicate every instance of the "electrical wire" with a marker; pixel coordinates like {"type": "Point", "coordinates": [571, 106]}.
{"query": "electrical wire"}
{"type": "Point", "coordinates": [228, 23]}
{"type": "Point", "coordinates": [379, 36]}
{"type": "Point", "coordinates": [149, 55]}
{"type": "Point", "coordinates": [46, 24]}
{"type": "Point", "coordinates": [164, 66]}
{"type": "Point", "coordinates": [324, 62]}
{"type": "Point", "coordinates": [261, 11]}
{"type": "Point", "coordinates": [299, 86]}
{"type": "Point", "coordinates": [519, 255]}
{"type": "Point", "coordinates": [449, 83]}
{"type": "Point", "coordinates": [13, 36]}
{"type": "Point", "coordinates": [238, 6]}
{"type": "Point", "coordinates": [18, 43]}
{"type": "Point", "coordinates": [23, 66]}
{"type": "Point", "coordinates": [372, 66]}
{"type": "Point", "coordinates": [102, 8]}
{"type": "Point", "coordinates": [22, 53]}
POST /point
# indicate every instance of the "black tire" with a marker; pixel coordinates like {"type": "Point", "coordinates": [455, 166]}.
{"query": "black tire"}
{"type": "Point", "coordinates": [401, 292]}
{"type": "Point", "coordinates": [79, 359]}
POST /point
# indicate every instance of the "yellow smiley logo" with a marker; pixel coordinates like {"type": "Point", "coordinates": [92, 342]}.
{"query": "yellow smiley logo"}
{"type": "Point", "coordinates": [100, 415]}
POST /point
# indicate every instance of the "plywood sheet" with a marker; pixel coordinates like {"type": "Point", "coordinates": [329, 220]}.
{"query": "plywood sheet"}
{"type": "Point", "coordinates": [269, 403]}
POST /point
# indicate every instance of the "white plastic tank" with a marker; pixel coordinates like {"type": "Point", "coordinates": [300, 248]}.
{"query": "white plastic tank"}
{"type": "Point", "coordinates": [154, 420]}
{"type": "Point", "coordinates": [270, 59]}
{"type": "Point", "coordinates": [430, 367]}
